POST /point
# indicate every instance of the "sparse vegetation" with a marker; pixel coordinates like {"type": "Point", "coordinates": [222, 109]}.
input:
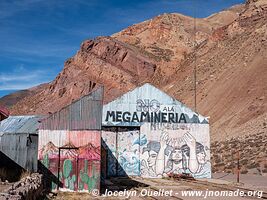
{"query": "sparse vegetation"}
{"type": "Point", "coordinates": [24, 174]}
{"type": "Point", "coordinates": [252, 154]}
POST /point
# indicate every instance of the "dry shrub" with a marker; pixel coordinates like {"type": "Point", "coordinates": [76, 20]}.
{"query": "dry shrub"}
{"type": "Point", "coordinates": [24, 174]}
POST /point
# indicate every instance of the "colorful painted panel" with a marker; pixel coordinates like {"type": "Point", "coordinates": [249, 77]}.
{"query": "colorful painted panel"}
{"type": "Point", "coordinates": [76, 154]}
{"type": "Point", "coordinates": [122, 146]}
{"type": "Point", "coordinates": [128, 153]}
{"type": "Point", "coordinates": [158, 150]}
{"type": "Point", "coordinates": [69, 168]}
{"type": "Point", "coordinates": [180, 148]}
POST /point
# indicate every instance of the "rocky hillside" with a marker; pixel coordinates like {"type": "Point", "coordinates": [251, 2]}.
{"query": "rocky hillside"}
{"type": "Point", "coordinates": [229, 50]}
{"type": "Point", "coordinates": [13, 98]}
{"type": "Point", "coordinates": [104, 60]}
{"type": "Point", "coordinates": [251, 150]}
{"type": "Point", "coordinates": [232, 84]}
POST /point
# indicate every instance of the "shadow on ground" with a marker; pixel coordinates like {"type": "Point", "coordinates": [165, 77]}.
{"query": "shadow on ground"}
{"type": "Point", "coordinates": [120, 184]}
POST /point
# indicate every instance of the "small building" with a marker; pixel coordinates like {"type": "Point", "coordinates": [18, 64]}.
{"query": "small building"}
{"type": "Point", "coordinates": [147, 133]}
{"type": "Point", "coordinates": [19, 140]}
{"type": "Point", "coordinates": [70, 144]}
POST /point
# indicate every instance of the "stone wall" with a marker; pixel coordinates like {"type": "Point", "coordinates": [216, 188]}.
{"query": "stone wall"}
{"type": "Point", "coordinates": [28, 188]}
{"type": "Point", "coordinates": [252, 153]}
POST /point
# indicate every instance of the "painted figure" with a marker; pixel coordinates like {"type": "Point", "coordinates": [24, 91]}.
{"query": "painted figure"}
{"type": "Point", "coordinates": [148, 167]}
{"type": "Point", "coordinates": [203, 169]}
{"type": "Point", "coordinates": [175, 162]}
{"type": "Point", "coordinates": [175, 155]}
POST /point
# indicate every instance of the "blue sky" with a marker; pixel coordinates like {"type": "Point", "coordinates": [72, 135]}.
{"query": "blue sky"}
{"type": "Point", "coordinates": [37, 36]}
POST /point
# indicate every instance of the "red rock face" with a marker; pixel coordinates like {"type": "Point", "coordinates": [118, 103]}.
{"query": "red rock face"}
{"type": "Point", "coordinates": [121, 56]}
{"type": "Point", "coordinates": [4, 113]}
{"type": "Point", "coordinates": [106, 61]}
{"type": "Point", "coordinates": [230, 50]}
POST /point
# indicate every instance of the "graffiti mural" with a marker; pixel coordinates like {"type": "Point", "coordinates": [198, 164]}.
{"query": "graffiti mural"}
{"type": "Point", "coordinates": [171, 137]}
{"type": "Point", "coordinates": [183, 150]}
{"type": "Point", "coordinates": [123, 149]}
{"type": "Point", "coordinates": [156, 152]}
{"type": "Point", "coordinates": [73, 157]}
{"type": "Point", "coordinates": [128, 153]}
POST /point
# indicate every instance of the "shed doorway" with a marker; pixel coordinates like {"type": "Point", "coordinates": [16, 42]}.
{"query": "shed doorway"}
{"type": "Point", "coordinates": [68, 167]}
{"type": "Point", "coordinates": [120, 154]}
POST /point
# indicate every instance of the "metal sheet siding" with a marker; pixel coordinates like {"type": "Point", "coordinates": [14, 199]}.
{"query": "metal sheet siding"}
{"type": "Point", "coordinates": [84, 114]}
{"type": "Point", "coordinates": [19, 140]}
{"type": "Point", "coordinates": [20, 124]}
{"type": "Point", "coordinates": [21, 148]}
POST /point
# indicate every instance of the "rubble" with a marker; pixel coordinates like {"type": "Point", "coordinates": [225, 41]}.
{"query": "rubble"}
{"type": "Point", "coordinates": [28, 188]}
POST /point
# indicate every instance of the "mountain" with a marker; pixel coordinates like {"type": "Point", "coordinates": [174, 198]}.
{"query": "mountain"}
{"type": "Point", "coordinates": [11, 99]}
{"type": "Point", "coordinates": [229, 49]}
{"type": "Point", "coordinates": [232, 84]}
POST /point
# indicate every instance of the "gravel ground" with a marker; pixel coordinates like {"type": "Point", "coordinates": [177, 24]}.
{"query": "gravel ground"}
{"type": "Point", "coordinates": [153, 185]}
{"type": "Point", "coordinates": [255, 182]}
{"type": "Point", "coordinates": [4, 186]}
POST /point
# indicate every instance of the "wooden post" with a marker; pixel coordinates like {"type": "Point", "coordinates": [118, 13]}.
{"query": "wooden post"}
{"type": "Point", "coordinates": [58, 170]}
{"type": "Point", "coordinates": [238, 167]}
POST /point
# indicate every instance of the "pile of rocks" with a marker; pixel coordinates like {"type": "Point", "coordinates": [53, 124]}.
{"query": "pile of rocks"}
{"type": "Point", "coordinates": [28, 188]}
{"type": "Point", "coordinates": [252, 154]}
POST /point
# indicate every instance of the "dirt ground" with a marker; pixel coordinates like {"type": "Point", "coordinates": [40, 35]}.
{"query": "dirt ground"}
{"type": "Point", "coordinates": [255, 182]}
{"type": "Point", "coordinates": [4, 186]}
{"type": "Point", "coordinates": [161, 189]}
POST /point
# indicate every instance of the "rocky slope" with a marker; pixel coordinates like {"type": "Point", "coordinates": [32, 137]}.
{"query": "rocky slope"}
{"type": "Point", "coordinates": [169, 38]}
{"type": "Point", "coordinates": [230, 49]}
{"type": "Point", "coordinates": [104, 60]}
{"type": "Point", "coordinates": [251, 150]}
{"type": "Point", "coordinates": [232, 84]}
{"type": "Point", "coordinates": [13, 98]}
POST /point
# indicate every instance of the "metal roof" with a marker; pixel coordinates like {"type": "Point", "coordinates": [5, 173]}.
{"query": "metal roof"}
{"type": "Point", "coordinates": [20, 124]}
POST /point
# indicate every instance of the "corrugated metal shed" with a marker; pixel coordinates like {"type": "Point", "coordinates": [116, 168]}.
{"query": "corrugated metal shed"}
{"type": "Point", "coordinates": [20, 124]}
{"type": "Point", "coordinates": [19, 140]}
{"type": "Point", "coordinates": [83, 114]}
{"type": "Point", "coordinates": [22, 148]}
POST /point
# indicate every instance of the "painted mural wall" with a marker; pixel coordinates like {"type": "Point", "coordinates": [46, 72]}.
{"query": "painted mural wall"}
{"type": "Point", "coordinates": [73, 156]}
{"type": "Point", "coordinates": [183, 149]}
{"type": "Point", "coordinates": [158, 150]}
{"type": "Point", "coordinates": [170, 137]}
{"type": "Point", "coordinates": [123, 151]}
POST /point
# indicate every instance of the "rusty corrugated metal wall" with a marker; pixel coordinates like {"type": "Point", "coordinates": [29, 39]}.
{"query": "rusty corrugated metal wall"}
{"type": "Point", "coordinates": [70, 142]}
{"type": "Point", "coordinates": [4, 113]}
{"type": "Point", "coordinates": [83, 114]}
